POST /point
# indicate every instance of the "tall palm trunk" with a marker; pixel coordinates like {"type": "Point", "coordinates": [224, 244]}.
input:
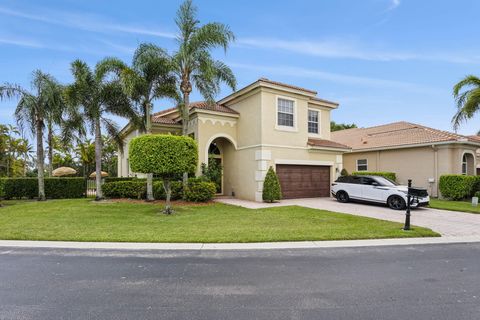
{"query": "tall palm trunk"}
{"type": "Point", "coordinates": [40, 161]}
{"type": "Point", "coordinates": [50, 149]}
{"type": "Point", "coordinates": [98, 160]}
{"type": "Point", "coordinates": [148, 127]}
{"type": "Point", "coordinates": [186, 89]}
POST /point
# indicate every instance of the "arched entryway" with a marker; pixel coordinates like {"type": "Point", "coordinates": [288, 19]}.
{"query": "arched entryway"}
{"type": "Point", "coordinates": [221, 163]}
{"type": "Point", "coordinates": [468, 164]}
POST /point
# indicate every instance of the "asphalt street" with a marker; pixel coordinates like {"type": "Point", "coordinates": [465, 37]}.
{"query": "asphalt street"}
{"type": "Point", "coordinates": [401, 282]}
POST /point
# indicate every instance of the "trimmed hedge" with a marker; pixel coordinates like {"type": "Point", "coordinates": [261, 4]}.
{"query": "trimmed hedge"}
{"type": "Point", "coordinates": [125, 189]}
{"type": "Point", "coordinates": [2, 187]}
{"type": "Point", "coordinates": [388, 175]}
{"type": "Point", "coordinates": [457, 186]}
{"type": "Point", "coordinates": [115, 179]}
{"type": "Point", "coordinates": [65, 188]}
{"type": "Point", "coordinates": [200, 191]}
{"type": "Point", "coordinates": [55, 188]}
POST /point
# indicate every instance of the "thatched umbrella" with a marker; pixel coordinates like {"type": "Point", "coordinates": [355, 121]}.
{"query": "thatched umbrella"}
{"type": "Point", "coordinates": [63, 171]}
{"type": "Point", "coordinates": [94, 174]}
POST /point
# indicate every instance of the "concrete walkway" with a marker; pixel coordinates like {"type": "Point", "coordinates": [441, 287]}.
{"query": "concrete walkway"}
{"type": "Point", "coordinates": [447, 223]}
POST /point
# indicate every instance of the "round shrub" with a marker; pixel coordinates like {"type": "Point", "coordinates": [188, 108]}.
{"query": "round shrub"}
{"type": "Point", "coordinates": [200, 191]}
{"type": "Point", "coordinates": [271, 187]}
{"type": "Point", "coordinates": [166, 156]}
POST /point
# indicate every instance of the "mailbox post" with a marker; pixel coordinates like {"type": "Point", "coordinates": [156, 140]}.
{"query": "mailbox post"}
{"type": "Point", "coordinates": [407, 214]}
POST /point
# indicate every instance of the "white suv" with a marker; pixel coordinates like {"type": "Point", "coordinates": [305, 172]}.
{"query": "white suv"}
{"type": "Point", "coordinates": [376, 189]}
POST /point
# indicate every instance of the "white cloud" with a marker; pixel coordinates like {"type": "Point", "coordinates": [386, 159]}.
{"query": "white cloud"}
{"type": "Point", "coordinates": [335, 77]}
{"type": "Point", "coordinates": [93, 23]}
{"type": "Point", "coordinates": [393, 4]}
{"type": "Point", "coordinates": [346, 49]}
{"type": "Point", "coordinates": [20, 42]}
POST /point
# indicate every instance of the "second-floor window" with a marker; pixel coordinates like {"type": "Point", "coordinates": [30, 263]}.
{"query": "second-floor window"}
{"type": "Point", "coordinates": [285, 113]}
{"type": "Point", "coordinates": [313, 121]}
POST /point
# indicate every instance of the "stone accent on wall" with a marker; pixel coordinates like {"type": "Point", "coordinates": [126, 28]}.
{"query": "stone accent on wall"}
{"type": "Point", "coordinates": [262, 157]}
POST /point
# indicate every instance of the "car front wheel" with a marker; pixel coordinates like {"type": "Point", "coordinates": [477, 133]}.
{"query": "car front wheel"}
{"type": "Point", "coordinates": [342, 196]}
{"type": "Point", "coordinates": [396, 203]}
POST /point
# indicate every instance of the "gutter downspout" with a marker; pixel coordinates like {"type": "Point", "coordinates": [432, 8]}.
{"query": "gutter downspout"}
{"type": "Point", "coordinates": [435, 169]}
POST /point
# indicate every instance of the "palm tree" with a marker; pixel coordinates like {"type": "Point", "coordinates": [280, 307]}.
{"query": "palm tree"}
{"type": "Point", "coordinates": [54, 117]}
{"type": "Point", "coordinates": [91, 98]}
{"type": "Point", "coordinates": [468, 100]}
{"type": "Point", "coordinates": [149, 78]}
{"type": "Point", "coordinates": [193, 64]}
{"type": "Point", "coordinates": [31, 111]}
{"type": "Point", "coordinates": [85, 152]}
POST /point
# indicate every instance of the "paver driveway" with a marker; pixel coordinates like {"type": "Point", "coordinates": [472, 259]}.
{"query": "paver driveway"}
{"type": "Point", "coordinates": [447, 223]}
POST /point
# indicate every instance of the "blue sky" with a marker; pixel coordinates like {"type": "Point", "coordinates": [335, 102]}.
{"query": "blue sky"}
{"type": "Point", "coordinates": [382, 60]}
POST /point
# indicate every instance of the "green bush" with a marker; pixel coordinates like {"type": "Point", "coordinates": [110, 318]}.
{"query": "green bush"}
{"type": "Point", "coordinates": [159, 191]}
{"type": "Point", "coordinates": [344, 172]}
{"type": "Point", "coordinates": [2, 188]}
{"type": "Point", "coordinates": [65, 188]}
{"type": "Point", "coordinates": [125, 189]}
{"type": "Point", "coordinates": [477, 194]}
{"type": "Point", "coordinates": [166, 156]}
{"type": "Point", "coordinates": [55, 188]}
{"type": "Point", "coordinates": [176, 155]}
{"type": "Point", "coordinates": [389, 175]}
{"type": "Point", "coordinates": [458, 187]}
{"type": "Point", "coordinates": [116, 179]}
{"type": "Point", "coordinates": [200, 191]}
{"type": "Point", "coordinates": [271, 187]}
{"type": "Point", "coordinates": [213, 172]}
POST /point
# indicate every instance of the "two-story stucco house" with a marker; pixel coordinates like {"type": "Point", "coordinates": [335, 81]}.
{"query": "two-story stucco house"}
{"type": "Point", "coordinates": [264, 124]}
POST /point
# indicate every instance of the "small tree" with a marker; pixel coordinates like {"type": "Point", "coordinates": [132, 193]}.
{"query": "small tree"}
{"type": "Point", "coordinates": [271, 187]}
{"type": "Point", "coordinates": [167, 156]}
{"type": "Point", "coordinates": [344, 172]}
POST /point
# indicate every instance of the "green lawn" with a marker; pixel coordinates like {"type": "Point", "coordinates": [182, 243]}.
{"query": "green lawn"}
{"type": "Point", "coordinates": [465, 206]}
{"type": "Point", "coordinates": [86, 220]}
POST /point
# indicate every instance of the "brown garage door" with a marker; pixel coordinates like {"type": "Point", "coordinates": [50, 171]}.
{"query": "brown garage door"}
{"type": "Point", "coordinates": [299, 181]}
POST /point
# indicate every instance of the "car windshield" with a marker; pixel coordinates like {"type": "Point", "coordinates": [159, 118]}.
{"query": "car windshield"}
{"type": "Point", "coordinates": [386, 182]}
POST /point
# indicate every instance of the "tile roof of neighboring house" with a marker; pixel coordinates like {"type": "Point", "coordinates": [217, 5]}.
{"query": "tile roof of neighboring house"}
{"type": "Point", "coordinates": [159, 117]}
{"type": "Point", "coordinates": [326, 144]}
{"type": "Point", "coordinates": [395, 134]}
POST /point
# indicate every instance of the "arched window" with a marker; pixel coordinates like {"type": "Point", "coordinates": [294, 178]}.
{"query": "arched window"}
{"type": "Point", "coordinates": [213, 149]}
{"type": "Point", "coordinates": [464, 164]}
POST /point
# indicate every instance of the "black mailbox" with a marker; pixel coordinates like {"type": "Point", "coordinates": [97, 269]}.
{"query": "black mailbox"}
{"type": "Point", "coordinates": [417, 192]}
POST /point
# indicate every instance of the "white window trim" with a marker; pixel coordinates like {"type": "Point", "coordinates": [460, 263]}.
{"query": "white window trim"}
{"type": "Point", "coordinates": [319, 134]}
{"type": "Point", "coordinates": [363, 164]}
{"type": "Point", "coordinates": [295, 118]}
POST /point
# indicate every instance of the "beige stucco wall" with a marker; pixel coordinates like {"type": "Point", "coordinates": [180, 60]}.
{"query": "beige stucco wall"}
{"type": "Point", "coordinates": [419, 164]}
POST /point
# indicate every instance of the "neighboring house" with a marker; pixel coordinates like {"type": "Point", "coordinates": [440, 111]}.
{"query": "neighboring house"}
{"type": "Point", "coordinates": [477, 153]}
{"type": "Point", "coordinates": [265, 124]}
{"type": "Point", "coordinates": [410, 150]}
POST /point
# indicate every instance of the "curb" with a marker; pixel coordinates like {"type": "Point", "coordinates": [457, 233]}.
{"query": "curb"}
{"type": "Point", "coordinates": [235, 246]}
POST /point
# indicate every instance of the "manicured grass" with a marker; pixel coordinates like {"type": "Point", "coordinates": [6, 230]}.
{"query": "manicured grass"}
{"type": "Point", "coordinates": [464, 206]}
{"type": "Point", "coordinates": [86, 220]}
